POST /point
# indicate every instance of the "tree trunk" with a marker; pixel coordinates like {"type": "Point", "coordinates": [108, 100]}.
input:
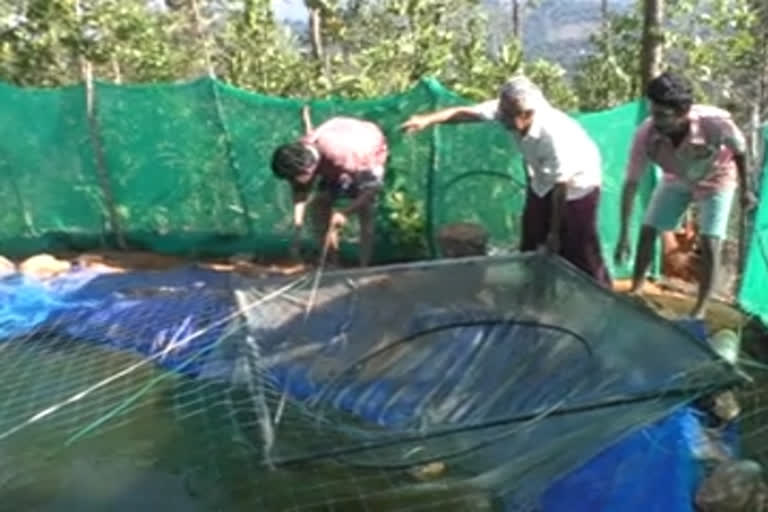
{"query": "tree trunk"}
{"type": "Point", "coordinates": [86, 73]}
{"type": "Point", "coordinates": [98, 151]}
{"type": "Point", "coordinates": [653, 40]}
{"type": "Point", "coordinates": [116, 70]}
{"type": "Point", "coordinates": [516, 28]}
{"type": "Point", "coordinates": [762, 37]}
{"type": "Point", "coordinates": [315, 32]}
{"type": "Point", "coordinates": [202, 34]}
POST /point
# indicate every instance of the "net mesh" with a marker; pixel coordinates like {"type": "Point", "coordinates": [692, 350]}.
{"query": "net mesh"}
{"type": "Point", "coordinates": [378, 390]}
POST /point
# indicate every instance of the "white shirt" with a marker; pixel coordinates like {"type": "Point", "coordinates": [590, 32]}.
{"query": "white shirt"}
{"type": "Point", "coordinates": [556, 149]}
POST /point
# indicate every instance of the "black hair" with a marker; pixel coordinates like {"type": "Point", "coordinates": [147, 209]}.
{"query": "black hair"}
{"type": "Point", "coordinates": [671, 90]}
{"type": "Point", "coordinates": [291, 160]}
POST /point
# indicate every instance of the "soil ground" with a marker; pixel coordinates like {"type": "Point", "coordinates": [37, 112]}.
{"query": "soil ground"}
{"type": "Point", "coordinates": [672, 298]}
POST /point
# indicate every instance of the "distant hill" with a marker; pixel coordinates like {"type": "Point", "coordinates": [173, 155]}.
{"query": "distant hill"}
{"type": "Point", "coordinates": [557, 30]}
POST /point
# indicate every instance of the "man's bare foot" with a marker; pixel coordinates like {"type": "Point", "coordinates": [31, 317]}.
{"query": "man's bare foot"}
{"type": "Point", "coordinates": [699, 312]}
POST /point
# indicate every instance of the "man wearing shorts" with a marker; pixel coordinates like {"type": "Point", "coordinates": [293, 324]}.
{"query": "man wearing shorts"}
{"type": "Point", "coordinates": [564, 171]}
{"type": "Point", "coordinates": [701, 153]}
{"type": "Point", "coordinates": [345, 157]}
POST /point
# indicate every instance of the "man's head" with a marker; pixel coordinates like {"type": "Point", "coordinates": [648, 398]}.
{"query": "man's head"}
{"type": "Point", "coordinates": [519, 98]}
{"type": "Point", "coordinates": [670, 96]}
{"type": "Point", "coordinates": [295, 163]}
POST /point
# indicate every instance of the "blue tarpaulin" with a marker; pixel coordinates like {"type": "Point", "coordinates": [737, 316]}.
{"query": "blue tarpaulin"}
{"type": "Point", "coordinates": [170, 317]}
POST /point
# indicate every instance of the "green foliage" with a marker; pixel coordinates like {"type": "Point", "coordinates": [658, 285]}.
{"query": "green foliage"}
{"type": "Point", "coordinates": [611, 74]}
{"type": "Point", "coordinates": [371, 48]}
{"type": "Point", "coordinates": [254, 52]}
{"type": "Point", "coordinates": [714, 42]}
{"type": "Point", "coordinates": [39, 45]}
{"type": "Point", "coordinates": [551, 78]}
{"type": "Point", "coordinates": [404, 217]}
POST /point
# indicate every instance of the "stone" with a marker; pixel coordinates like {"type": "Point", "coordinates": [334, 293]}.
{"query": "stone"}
{"type": "Point", "coordinates": [43, 266]}
{"type": "Point", "coordinates": [429, 471]}
{"type": "Point", "coordinates": [734, 486]}
{"type": "Point", "coordinates": [7, 267]}
{"type": "Point", "coordinates": [463, 239]}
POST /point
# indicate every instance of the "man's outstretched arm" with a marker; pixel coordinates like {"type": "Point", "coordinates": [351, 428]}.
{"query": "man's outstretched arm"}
{"type": "Point", "coordinates": [477, 113]}
{"type": "Point", "coordinates": [638, 164]}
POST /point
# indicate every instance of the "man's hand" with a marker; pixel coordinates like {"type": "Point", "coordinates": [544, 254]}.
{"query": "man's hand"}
{"type": "Point", "coordinates": [414, 124]}
{"type": "Point", "coordinates": [622, 251]}
{"type": "Point", "coordinates": [748, 200]}
{"type": "Point", "coordinates": [338, 221]}
{"type": "Point", "coordinates": [553, 242]}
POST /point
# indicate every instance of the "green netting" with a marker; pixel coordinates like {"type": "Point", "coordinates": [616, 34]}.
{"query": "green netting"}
{"type": "Point", "coordinates": [188, 168]}
{"type": "Point", "coordinates": [753, 294]}
{"type": "Point", "coordinates": [169, 164]}
{"type": "Point", "coordinates": [48, 179]}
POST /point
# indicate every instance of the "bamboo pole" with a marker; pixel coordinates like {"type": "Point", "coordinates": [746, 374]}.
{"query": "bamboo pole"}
{"type": "Point", "coordinates": [86, 71]}
{"type": "Point", "coordinates": [98, 150]}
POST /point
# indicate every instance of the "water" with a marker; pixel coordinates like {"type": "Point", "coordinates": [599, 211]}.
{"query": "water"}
{"type": "Point", "coordinates": [150, 440]}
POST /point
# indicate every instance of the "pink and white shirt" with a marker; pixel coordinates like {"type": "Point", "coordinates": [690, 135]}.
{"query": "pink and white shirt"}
{"type": "Point", "coordinates": [349, 147]}
{"type": "Point", "coordinates": [704, 159]}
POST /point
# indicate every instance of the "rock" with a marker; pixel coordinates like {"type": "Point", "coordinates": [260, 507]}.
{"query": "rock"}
{"type": "Point", "coordinates": [429, 471]}
{"type": "Point", "coordinates": [7, 267]}
{"type": "Point", "coordinates": [462, 239]}
{"type": "Point", "coordinates": [43, 266]}
{"type": "Point", "coordinates": [727, 344]}
{"type": "Point", "coordinates": [725, 406]}
{"type": "Point", "coordinates": [734, 486]}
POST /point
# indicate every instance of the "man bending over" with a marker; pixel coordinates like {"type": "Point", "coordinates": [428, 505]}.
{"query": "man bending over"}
{"type": "Point", "coordinates": [564, 171]}
{"type": "Point", "coordinates": [344, 159]}
{"type": "Point", "coordinates": [701, 152]}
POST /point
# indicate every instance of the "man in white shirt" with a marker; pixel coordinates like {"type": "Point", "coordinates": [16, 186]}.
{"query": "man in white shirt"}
{"type": "Point", "coordinates": [563, 165]}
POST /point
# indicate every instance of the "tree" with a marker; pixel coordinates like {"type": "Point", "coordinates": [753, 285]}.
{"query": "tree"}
{"type": "Point", "coordinates": [714, 42]}
{"type": "Point", "coordinates": [610, 75]}
{"type": "Point", "coordinates": [121, 38]}
{"type": "Point", "coordinates": [254, 52]}
{"type": "Point", "coordinates": [41, 44]}
{"type": "Point", "coordinates": [653, 40]}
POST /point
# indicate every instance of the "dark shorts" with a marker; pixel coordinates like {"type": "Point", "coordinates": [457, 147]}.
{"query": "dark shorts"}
{"type": "Point", "coordinates": [579, 236]}
{"type": "Point", "coordinates": [349, 186]}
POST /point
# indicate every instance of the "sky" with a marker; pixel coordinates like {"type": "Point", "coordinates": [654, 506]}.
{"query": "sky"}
{"type": "Point", "coordinates": [291, 10]}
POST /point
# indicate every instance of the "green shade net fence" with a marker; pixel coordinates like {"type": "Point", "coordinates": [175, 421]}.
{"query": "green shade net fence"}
{"type": "Point", "coordinates": [184, 168]}
{"type": "Point", "coordinates": [753, 294]}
